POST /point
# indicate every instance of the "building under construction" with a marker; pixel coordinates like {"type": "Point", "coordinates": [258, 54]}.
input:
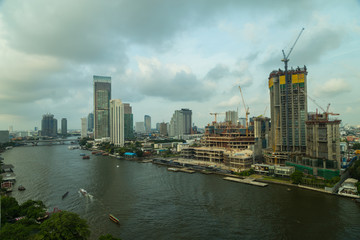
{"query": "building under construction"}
{"type": "Point", "coordinates": [322, 157]}
{"type": "Point", "coordinates": [231, 144]}
{"type": "Point", "coordinates": [288, 107]}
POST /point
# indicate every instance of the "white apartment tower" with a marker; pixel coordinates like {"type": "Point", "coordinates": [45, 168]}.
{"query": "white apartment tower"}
{"type": "Point", "coordinates": [117, 122]}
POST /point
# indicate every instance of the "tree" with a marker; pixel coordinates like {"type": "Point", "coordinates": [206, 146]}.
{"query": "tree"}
{"type": "Point", "coordinates": [297, 177]}
{"type": "Point", "coordinates": [9, 209]}
{"type": "Point", "coordinates": [18, 230]}
{"type": "Point", "coordinates": [32, 209]}
{"type": "Point", "coordinates": [64, 225]}
{"type": "Point", "coordinates": [108, 237]}
{"type": "Point", "coordinates": [356, 146]}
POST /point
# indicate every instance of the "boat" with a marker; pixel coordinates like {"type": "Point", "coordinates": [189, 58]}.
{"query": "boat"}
{"type": "Point", "coordinates": [94, 152]}
{"type": "Point", "coordinates": [83, 192]}
{"type": "Point", "coordinates": [173, 169]}
{"type": "Point", "coordinates": [114, 219]}
{"type": "Point", "coordinates": [86, 157]}
{"type": "Point", "coordinates": [64, 196]}
{"type": "Point", "coordinates": [21, 188]}
{"type": "Point", "coordinates": [105, 154]}
{"type": "Point", "coordinates": [82, 154]}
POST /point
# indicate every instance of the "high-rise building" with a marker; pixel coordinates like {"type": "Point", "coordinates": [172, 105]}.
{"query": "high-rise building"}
{"type": "Point", "coordinates": [163, 129]}
{"type": "Point", "coordinates": [140, 127]}
{"type": "Point", "coordinates": [147, 121]}
{"type": "Point", "coordinates": [323, 138]}
{"type": "Point", "coordinates": [102, 96]}
{"type": "Point", "coordinates": [63, 126]}
{"type": "Point", "coordinates": [91, 122]}
{"type": "Point", "coordinates": [181, 123]}
{"type": "Point", "coordinates": [83, 127]}
{"type": "Point", "coordinates": [128, 122]}
{"type": "Point", "coordinates": [288, 105]}
{"type": "Point", "coordinates": [48, 125]}
{"type": "Point", "coordinates": [4, 136]}
{"type": "Point", "coordinates": [117, 122]}
{"type": "Point", "coordinates": [232, 117]}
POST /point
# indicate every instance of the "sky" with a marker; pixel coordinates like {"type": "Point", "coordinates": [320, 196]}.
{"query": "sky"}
{"type": "Point", "coordinates": [165, 55]}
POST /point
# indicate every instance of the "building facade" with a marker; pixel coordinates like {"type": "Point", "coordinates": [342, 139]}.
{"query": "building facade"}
{"type": "Point", "coordinates": [102, 96]}
{"type": "Point", "coordinates": [48, 125]}
{"type": "Point", "coordinates": [288, 106]}
{"type": "Point", "coordinates": [117, 122]}
{"type": "Point", "coordinates": [181, 123]}
{"type": "Point", "coordinates": [90, 122]}
{"type": "Point", "coordinates": [63, 126]}
{"type": "Point", "coordinates": [231, 117]}
{"type": "Point", "coordinates": [128, 122]}
{"type": "Point", "coordinates": [83, 127]}
{"type": "Point", "coordinates": [147, 122]}
{"type": "Point", "coordinates": [4, 136]}
{"type": "Point", "coordinates": [140, 127]}
{"type": "Point", "coordinates": [163, 129]}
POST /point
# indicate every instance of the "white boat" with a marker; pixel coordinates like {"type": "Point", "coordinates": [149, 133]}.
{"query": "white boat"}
{"type": "Point", "coordinates": [83, 192]}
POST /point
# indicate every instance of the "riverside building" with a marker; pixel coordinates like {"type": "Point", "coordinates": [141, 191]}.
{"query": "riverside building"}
{"type": "Point", "coordinates": [117, 122]}
{"type": "Point", "coordinates": [102, 96]}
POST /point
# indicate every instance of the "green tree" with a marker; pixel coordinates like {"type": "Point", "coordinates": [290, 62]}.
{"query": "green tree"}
{"type": "Point", "coordinates": [18, 231]}
{"type": "Point", "coordinates": [10, 209]}
{"type": "Point", "coordinates": [32, 209]}
{"type": "Point", "coordinates": [356, 146]}
{"type": "Point", "coordinates": [64, 225]}
{"type": "Point", "coordinates": [108, 237]}
{"type": "Point", "coordinates": [297, 177]}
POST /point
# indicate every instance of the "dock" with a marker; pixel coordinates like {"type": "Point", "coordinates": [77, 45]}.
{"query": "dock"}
{"type": "Point", "coordinates": [185, 170]}
{"type": "Point", "coordinates": [246, 180]}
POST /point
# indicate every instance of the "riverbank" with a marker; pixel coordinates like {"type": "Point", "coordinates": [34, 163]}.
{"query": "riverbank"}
{"type": "Point", "coordinates": [221, 169]}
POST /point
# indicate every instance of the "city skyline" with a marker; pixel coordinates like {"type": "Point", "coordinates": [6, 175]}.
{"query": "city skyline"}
{"type": "Point", "coordinates": [193, 55]}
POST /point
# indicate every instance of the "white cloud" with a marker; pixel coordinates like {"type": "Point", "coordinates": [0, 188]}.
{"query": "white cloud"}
{"type": "Point", "coordinates": [332, 87]}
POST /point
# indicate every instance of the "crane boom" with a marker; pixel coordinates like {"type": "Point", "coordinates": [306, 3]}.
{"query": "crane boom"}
{"type": "Point", "coordinates": [286, 58]}
{"type": "Point", "coordinates": [246, 109]}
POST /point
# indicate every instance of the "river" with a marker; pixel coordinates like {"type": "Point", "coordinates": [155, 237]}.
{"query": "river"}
{"type": "Point", "coordinates": [153, 203]}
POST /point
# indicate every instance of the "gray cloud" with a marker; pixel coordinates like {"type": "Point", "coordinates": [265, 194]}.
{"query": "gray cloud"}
{"type": "Point", "coordinates": [218, 72]}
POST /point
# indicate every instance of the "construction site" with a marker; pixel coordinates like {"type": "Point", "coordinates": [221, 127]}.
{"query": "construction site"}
{"type": "Point", "coordinates": [231, 143]}
{"type": "Point", "coordinates": [308, 142]}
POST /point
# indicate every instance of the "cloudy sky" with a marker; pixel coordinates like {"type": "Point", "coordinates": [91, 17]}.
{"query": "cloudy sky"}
{"type": "Point", "coordinates": [165, 55]}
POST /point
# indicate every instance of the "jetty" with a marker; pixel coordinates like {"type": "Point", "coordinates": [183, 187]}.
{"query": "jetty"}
{"type": "Point", "coordinates": [250, 181]}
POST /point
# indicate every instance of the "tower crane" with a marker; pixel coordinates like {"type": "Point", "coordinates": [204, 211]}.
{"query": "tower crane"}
{"type": "Point", "coordinates": [326, 112]}
{"type": "Point", "coordinates": [215, 114]}
{"type": "Point", "coordinates": [286, 60]}
{"type": "Point", "coordinates": [246, 110]}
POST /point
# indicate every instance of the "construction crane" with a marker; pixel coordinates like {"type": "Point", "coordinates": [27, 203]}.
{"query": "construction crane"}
{"type": "Point", "coordinates": [216, 115]}
{"type": "Point", "coordinates": [286, 57]}
{"type": "Point", "coordinates": [286, 60]}
{"type": "Point", "coordinates": [326, 112]}
{"type": "Point", "coordinates": [246, 110]}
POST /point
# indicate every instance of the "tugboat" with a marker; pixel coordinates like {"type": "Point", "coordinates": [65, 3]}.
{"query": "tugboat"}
{"type": "Point", "coordinates": [21, 188]}
{"type": "Point", "coordinates": [114, 219]}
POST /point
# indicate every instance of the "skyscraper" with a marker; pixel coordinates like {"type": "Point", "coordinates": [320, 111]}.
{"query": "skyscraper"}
{"type": "Point", "coordinates": [91, 122]}
{"type": "Point", "coordinates": [102, 96]}
{"type": "Point", "coordinates": [231, 116]}
{"type": "Point", "coordinates": [83, 127]}
{"type": "Point", "coordinates": [128, 122]}
{"type": "Point", "coordinates": [63, 126]}
{"type": "Point", "coordinates": [181, 123]}
{"type": "Point", "coordinates": [117, 122]}
{"type": "Point", "coordinates": [288, 105]}
{"type": "Point", "coordinates": [140, 127]}
{"type": "Point", "coordinates": [48, 125]}
{"type": "Point", "coordinates": [147, 121]}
